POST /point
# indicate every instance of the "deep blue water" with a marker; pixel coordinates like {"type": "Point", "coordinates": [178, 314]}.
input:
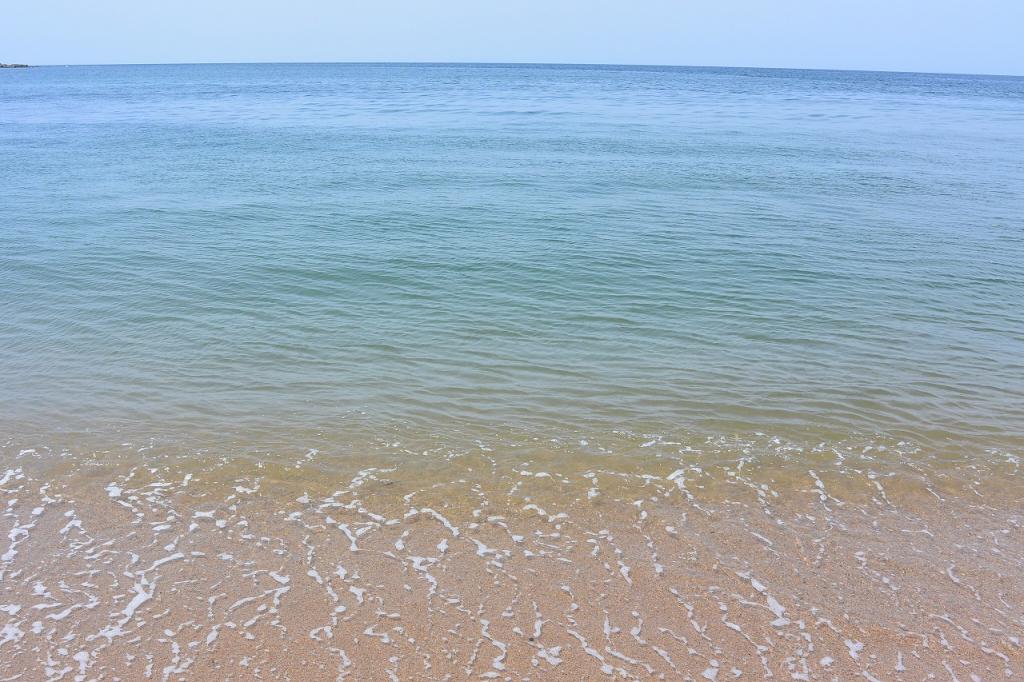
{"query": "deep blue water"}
{"type": "Point", "coordinates": [550, 249]}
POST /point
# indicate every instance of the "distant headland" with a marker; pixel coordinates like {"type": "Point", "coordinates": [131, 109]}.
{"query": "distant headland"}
{"type": "Point", "coordinates": [13, 66]}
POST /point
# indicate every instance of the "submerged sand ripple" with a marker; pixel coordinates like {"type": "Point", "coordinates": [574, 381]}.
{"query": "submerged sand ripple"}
{"type": "Point", "coordinates": [480, 566]}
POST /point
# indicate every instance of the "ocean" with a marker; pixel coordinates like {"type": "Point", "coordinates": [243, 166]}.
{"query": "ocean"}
{"type": "Point", "coordinates": [686, 282]}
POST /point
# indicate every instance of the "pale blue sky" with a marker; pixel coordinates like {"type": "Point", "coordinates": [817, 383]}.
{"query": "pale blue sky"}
{"type": "Point", "coordinates": [979, 36]}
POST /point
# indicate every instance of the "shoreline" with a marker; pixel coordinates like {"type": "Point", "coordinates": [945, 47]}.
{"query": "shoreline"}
{"type": "Point", "coordinates": [506, 565]}
{"type": "Point", "coordinates": [457, 372]}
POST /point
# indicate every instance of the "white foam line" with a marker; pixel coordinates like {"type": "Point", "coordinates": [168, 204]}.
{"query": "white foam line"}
{"type": "Point", "coordinates": [589, 650]}
{"type": "Point", "coordinates": [351, 538]}
{"type": "Point", "coordinates": [437, 516]}
{"type": "Point", "coordinates": [11, 473]}
{"type": "Point", "coordinates": [166, 560]}
{"type": "Point", "coordinates": [499, 661]}
{"type": "Point", "coordinates": [421, 564]}
{"type": "Point", "coordinates": [140, 598]}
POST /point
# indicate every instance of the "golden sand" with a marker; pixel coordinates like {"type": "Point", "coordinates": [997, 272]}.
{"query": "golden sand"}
{"type": "Point", "coordinates": [508, 567]}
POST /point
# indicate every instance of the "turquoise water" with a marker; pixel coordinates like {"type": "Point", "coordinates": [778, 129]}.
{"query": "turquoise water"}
{"type": "Point", "coordinates": [290, 249]}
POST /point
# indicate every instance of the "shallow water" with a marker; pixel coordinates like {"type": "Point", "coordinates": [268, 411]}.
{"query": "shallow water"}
{"type": "Point", "coordinates": [510, 371]}
{"type": "Point", "coordinates": [509, 563]}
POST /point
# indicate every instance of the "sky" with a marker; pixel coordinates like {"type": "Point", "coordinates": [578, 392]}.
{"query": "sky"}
{"type": "Point", "coordinates": [958, 36]}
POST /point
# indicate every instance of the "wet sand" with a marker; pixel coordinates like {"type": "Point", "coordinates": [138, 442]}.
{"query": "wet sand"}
{"type": "Point", "coordinates": [140, 563]}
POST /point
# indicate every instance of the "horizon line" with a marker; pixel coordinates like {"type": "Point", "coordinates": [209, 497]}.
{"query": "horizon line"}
{"type": "Point", "coordinates": [528, 63]}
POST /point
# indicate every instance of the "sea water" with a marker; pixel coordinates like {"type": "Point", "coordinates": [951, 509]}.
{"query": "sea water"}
{"type": "Point", "coordinates": [566, 249]}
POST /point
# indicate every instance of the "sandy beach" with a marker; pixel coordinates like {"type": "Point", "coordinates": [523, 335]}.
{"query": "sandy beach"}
{"type": "Point", "coordinates": [480, 566]}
